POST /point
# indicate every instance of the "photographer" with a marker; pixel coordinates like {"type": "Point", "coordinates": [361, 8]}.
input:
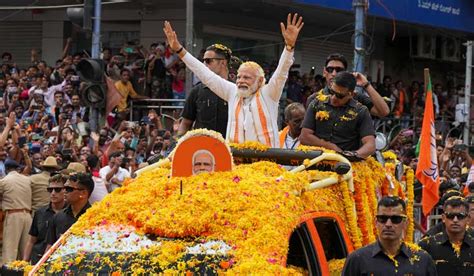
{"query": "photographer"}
{"type": "Point", "coordinates": [455, 154]}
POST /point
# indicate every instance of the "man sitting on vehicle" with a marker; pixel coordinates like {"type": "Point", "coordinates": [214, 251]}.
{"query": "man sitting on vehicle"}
{"type": "Point", "coordinates": [338, 122]}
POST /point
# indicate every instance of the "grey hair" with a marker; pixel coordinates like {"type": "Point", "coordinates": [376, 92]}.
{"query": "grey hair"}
{"type": "Point", "coordinates": [292, 107]}
{"type": "Point", "coordinates": [205, 152]}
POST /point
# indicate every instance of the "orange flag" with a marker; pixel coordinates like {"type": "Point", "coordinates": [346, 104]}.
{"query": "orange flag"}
{"type": "Point", "coordinates": [113, 96]}
{"type": "Point", "coordinates": [427, 171]}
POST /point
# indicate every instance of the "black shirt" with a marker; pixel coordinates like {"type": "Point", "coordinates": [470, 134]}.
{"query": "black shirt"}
{"type": "Point", "coordinates": [435, 230]}
{"type": "Point", "coordinates": [359, 96]}
{"type": "Point", "coordinates": [371, 260]}
{"type": "Point", "coordinates": [206, 109]}
{"type": "Point", "coordinates": [39, 229]}
{"type": "Point", "coordinates": [346, 125]}
{"type": "Point", "coordinates": [447, 261]}
{"type": "Point", "coordinates": [62, 221]}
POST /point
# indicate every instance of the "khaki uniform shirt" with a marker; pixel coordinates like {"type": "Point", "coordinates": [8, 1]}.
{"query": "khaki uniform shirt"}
{"type": "Point", "coordinates": [39, 185]}
{"type": "Point", "coordinates": [16, 191]}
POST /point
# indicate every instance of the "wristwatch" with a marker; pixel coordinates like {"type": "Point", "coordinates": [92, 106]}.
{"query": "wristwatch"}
{"type": "Point", "coordinates": [365, 85]}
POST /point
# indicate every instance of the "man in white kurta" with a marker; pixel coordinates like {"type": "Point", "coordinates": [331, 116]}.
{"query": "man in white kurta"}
{"type": "Point", "coordinates": [252, 116]}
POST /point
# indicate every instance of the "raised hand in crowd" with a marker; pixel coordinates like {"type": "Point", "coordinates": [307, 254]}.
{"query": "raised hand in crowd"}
{"type": "Point", "coordinates": [292, 29]}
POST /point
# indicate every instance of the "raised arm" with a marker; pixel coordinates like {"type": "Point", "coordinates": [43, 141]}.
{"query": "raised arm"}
{"type": "Point", "coordinates": [221, 87]}
{"type": "Point", "coordinates": [380, 107]}
{"type": "Point", "coordinates": [290, 34]}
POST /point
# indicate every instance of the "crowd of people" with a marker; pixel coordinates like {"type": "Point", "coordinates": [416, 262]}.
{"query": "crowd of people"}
{"type": "Point", "coordinates": [53, 166]}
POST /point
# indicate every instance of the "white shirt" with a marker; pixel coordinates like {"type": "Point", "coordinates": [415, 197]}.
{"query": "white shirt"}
{"type": "Point", "coordinates": [121, 174]}
{"type": "Point", "coordinates": [291, 143]}
{"type": "Point", "coordinates": [100, 190]}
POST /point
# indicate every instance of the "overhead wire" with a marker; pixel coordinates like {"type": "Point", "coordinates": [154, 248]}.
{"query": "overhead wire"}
{"type": "Point", "coordinates": [19, 11]}
{"type": "Point", "coordinates": [281, 43]}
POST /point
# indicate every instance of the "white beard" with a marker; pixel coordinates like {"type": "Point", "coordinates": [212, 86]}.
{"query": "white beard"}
{"type": "Point", "coordinates": [247, 92]}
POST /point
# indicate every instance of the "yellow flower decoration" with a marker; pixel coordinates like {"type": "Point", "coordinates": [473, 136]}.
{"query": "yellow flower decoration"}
{"type": "Point", "coordinates": [250, 145]}
{"type": "Point", "coordinates": [227, 207]}
{"type": "Point", "coordinates": [321, 96]}
{"type": "Point", "coordinates": [222, 48]}
{"type": "Point", "coordinates": [322, 115]}
{"type": "Point", "coordinates": [389, 155]}
{"type": "Point", "coordinates": [457, 248]}
{"type": "Point", "coordinates": [345, 118]}
{"type": "Point", "coordinates": [410, 184]}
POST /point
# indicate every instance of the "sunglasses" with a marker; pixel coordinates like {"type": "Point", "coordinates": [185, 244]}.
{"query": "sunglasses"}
{"type": "Point", "coordinates": [338, 95]}
{"type": "Point", "coordinates": [57, 189]}
{"type": "Point", "coordinates": [209, 60]}
{"type": "Point", "coordinates": [394, 219]}
{"type": "Point", "coordinates": [460, 216]}
{"type": "Point", "coordinates": [330, 69]}
{"type": "Point", "coordinates": [70, 189]}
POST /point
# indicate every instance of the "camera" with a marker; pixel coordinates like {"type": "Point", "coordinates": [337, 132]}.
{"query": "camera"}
{"type": "Point", "coordinates": [460, 147]}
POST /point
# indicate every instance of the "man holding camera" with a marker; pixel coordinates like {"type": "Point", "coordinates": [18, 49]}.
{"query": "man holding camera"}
{"type": "Point", "coordinates": [113, 173]}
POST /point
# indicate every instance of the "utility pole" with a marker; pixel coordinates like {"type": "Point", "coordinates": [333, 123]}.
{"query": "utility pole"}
{"type": "Point", "coordinates": [95, 53]}
{"type": "Point", "coordinates": [189, 41]}
{"type": "Point", "coordinates": [96, 29]}
{"type": "Point", "coordinates": [360, 10]}
{"type": "Point", "coordinates": [467, 91]}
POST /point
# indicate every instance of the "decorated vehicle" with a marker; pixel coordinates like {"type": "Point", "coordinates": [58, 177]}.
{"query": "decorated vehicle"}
{"type": "Point", "coordinates": [235, 218]}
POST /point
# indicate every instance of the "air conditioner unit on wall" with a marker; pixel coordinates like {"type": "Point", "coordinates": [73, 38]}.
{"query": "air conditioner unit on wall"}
{"type": "Point", "coordinates": [423, 46]}
{"type": "Point", "coordinates": [451, 49]}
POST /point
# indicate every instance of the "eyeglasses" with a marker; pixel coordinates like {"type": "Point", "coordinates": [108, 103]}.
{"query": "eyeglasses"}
{"type": "Point", "coordinates": [337, 94]}
{"type": "Point", "coordinates": [330, 69]}
{"type": "Point", "coordinates": [209, 60]}
{"type": "Point", "coordinates": [56, 189]}
{"type": "Point", "coordinates": [460, 216]}
{"type": "Point", "coordinates": [70, 189]}
{"type": "Point", "coordinates": [395, 219]}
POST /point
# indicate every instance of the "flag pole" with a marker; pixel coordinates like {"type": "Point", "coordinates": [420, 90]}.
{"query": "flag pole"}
{"type": "Point", "coordinates": [426, 76]}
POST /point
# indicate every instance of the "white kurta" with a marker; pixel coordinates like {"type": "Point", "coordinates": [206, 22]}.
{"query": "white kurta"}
{"type": "Point", "coordinates": [248, 125]}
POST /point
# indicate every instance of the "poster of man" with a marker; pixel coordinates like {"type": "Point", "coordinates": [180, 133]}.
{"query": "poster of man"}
{"type": "Point", "coordinates": [203, 161]}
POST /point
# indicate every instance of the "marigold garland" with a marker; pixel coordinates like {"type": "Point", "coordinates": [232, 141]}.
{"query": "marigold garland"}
{"type": "Point", "coordinates": [351, 217]}
{"type": "Point", "coordinates": [389, 155]}
{"type": "Point", "coordinates": [250, 145]}
{"type": "Point", "coordinates": [228, 206]}
{"type": "Point", "coordinates": [336, 266]}
{"type": "Point", "coordinates": [410, 181]}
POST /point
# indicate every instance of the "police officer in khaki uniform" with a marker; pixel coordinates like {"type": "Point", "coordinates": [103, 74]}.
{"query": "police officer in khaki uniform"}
{"type": "Point", "coordinates": [40, 182]}
{"type": "Point", "coordinates": [16, 204]}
